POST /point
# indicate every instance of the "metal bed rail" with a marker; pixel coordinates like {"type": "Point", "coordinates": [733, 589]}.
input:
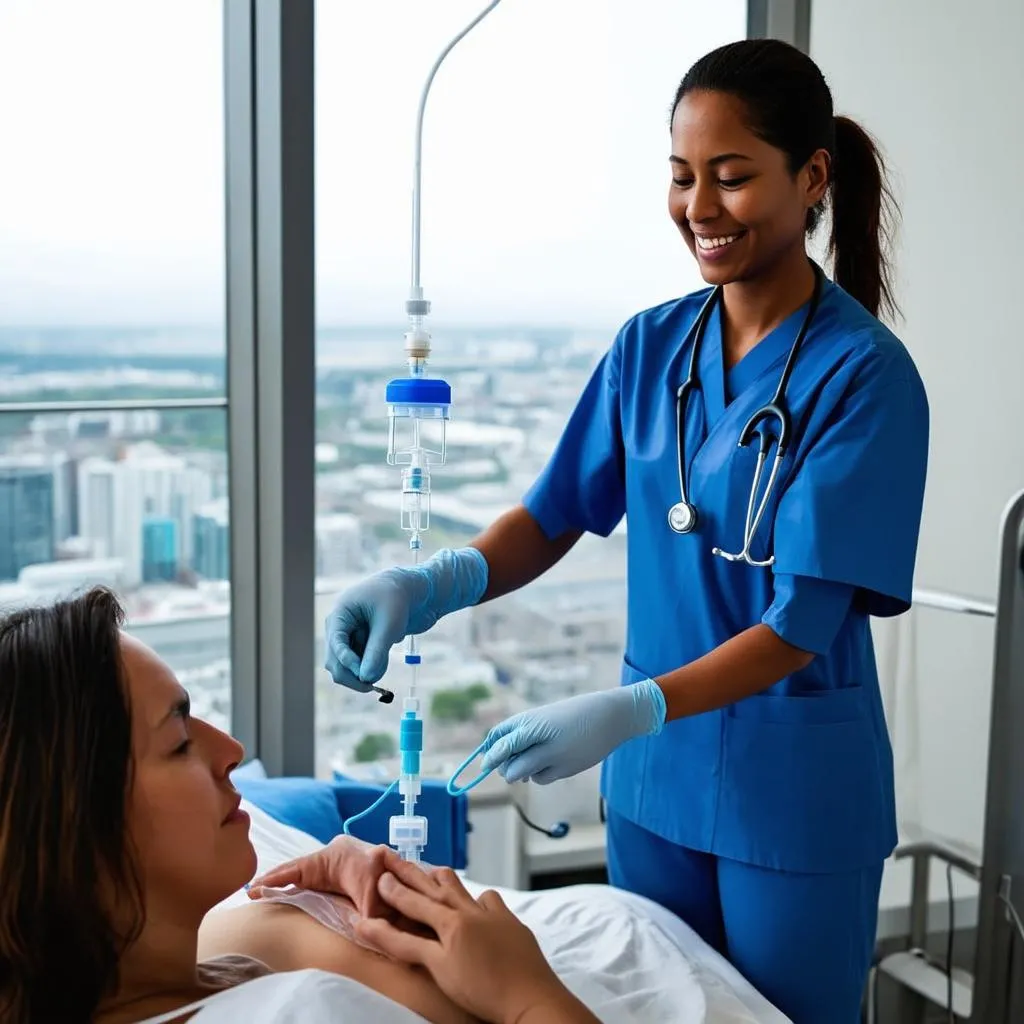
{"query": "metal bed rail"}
{"type": "Point", "coordinates": [993, 991]}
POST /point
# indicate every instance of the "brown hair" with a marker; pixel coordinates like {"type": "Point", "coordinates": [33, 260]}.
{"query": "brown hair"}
{"type": "Point", "coordinates": [65, 773]}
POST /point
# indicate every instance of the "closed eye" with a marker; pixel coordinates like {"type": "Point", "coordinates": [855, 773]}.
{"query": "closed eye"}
{"type": "Point", "coordinates": [183, 749]}
{"type": "Point", "coordinates": [723, 182]}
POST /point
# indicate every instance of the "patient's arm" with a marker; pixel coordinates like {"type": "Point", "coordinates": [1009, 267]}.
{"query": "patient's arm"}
{"type": "Point", "coordinates": [285, 938]}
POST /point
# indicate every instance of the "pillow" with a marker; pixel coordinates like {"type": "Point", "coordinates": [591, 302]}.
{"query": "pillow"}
{"type": "Point", "coordinates": [252, 769]}
{"type": "Point", "coordinates": [306, 804]}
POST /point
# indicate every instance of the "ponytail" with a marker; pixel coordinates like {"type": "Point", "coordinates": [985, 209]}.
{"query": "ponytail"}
{"type": "Point", "coordinates": [789, 105]}
{"type": "Point", "coordinates": [864, 216]}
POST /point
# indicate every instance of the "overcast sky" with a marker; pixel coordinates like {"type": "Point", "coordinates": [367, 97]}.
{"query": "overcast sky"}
{"type": "Point", "coordinates": [545, 158]}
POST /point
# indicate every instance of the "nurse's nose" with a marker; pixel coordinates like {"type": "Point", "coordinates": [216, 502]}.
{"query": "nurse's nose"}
{"type": "Point", "coordinates": [703, 202]}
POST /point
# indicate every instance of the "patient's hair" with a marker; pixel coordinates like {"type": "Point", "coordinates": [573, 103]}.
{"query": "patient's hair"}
{"type": "Point", "coordinates": [65, 773]}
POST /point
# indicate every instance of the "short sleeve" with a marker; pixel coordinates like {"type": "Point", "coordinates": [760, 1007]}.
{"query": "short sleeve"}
{"type": "Point", "coordinates": [852, 510]}
{"type": "Point", "coordinates": [582, 487]}
{"type": "Point", "coordinates": [807, 612]}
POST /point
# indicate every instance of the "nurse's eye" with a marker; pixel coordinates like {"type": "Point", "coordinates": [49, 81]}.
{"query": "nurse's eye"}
{"type": "Point", "coordinates": [733, 182]}
{"type": "Point", "coordinates": [682, 182]}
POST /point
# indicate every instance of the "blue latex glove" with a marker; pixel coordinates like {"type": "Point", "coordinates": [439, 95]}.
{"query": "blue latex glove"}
{"type": "Point", "coordinates": [569, 736]}
{"type": "Point", "coordinates": [372, 616]}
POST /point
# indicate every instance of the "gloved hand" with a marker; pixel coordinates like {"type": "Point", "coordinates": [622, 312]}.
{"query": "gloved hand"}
{"type": "Point", "coordinates": [562, 739]}
{"type": "Point", "coordinates": [372, 616]}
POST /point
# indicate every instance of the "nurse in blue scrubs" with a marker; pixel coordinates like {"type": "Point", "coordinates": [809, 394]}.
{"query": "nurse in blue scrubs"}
{"type": "Point", "coordinates": [747, 770]}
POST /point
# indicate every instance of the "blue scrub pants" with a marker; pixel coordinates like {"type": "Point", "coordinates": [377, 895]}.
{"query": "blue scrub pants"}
{"type": "Point", "coordinates": [805, 942]}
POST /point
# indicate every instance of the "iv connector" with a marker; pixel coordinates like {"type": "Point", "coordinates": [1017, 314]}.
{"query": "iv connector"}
{"type": "Point", "coordinates": [407, 833]}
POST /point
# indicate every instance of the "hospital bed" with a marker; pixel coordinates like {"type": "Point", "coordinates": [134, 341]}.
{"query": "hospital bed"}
{"type": "Point", "coordinates": [632, 961]}
{"type": "Point", "coordinates": [992, 992]}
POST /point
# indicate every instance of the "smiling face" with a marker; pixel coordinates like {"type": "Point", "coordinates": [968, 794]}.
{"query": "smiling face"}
{"type": "Point", "coordinates": [192, 842]}
{"type": "Point", "coordinates": [736, 202]}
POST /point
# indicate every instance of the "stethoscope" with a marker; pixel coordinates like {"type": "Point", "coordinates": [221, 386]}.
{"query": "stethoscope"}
{"type": "Point", "coordinates": [682, 516]}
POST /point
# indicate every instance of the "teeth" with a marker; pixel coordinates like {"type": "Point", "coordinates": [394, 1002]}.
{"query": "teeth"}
{"type": "Point", "coordinates": [715, 243]}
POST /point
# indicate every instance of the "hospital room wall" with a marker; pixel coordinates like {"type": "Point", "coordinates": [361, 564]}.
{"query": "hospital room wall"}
{"type": "Point", "coordinates": [939, 83]}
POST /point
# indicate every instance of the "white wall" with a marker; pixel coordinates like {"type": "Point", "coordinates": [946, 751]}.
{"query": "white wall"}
{"type": "Point", "coordinates": [940, 84]}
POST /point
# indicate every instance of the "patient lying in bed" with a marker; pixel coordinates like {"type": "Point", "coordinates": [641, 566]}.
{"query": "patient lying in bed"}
{"type": "Point", "coordinates": [120, 831]}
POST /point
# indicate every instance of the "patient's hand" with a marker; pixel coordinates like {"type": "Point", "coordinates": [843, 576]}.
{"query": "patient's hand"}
{"type": "Point", "coordinates": [481, 955]}
{"type": "Point", "coordinates": [346, 866]}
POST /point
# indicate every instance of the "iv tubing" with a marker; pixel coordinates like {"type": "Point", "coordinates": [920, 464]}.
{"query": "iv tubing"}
{"type": "Point", "coordinates": [454, 790]}
{"type": "Point", "coordinates": [416, 292]}
{"type": "Point", "coordinates": [362, 814]}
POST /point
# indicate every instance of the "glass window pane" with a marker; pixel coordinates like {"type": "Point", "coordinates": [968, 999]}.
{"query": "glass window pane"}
{"type": "Point", "coordinates": [545, 177]}
{"type": "Point", "coordinates": [112, 288]}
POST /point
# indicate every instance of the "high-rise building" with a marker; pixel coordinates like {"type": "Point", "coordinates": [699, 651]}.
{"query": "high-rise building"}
{"type": "Point", "coordinates": [159, 550]}
{"type": "Point", "coordinates": [65, 494]}
{"type": "Point", "coordinates": [211, 557]}
{"type": "Point", "coordinates": [145, 485]}
{"type": "Point", "coordinates": [26, 513]}
{"type": "Point", "coordinates": [338, 544]}
{"type": "Point", "coordinates": [110, 515]}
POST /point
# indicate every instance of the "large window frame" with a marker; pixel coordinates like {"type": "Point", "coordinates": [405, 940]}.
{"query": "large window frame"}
{"type": "Point", "coordinates": [268, 95]}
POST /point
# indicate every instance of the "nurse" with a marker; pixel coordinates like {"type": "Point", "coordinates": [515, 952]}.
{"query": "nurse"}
{"type": "Point", "coordinates": [747, 769]}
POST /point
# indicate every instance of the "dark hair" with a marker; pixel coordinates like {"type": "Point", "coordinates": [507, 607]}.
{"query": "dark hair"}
{"type": "Point", "coordinates": [789, 105]}
{"type": "Point", "coordinates": [65, 772]}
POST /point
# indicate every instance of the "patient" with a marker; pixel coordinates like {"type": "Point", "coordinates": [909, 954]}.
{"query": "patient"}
{"type": "Point", "coordinates": [120, 830]}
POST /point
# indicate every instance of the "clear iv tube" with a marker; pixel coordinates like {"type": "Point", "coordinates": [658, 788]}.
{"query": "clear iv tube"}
{"type": "Point", "coordinates": [417, 174]}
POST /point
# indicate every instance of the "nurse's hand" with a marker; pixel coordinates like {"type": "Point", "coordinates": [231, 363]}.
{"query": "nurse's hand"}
{"type": "Point", "coordinates": [372, 616]}
{"type": "Point", "coordinates": [367, 620]}
{"type": "Point", "coordinates": [479, 953]}
{"type": "Point", "coordinates": [565, 738]}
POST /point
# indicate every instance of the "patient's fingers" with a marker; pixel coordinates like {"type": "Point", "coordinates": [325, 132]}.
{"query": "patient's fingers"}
{"type": "Point", "coordinates": [454, 893]}
{"type": "Point", "coordinates": [257, 892]}
{"type": "Point", "coordinates": [490, 900]}
{"type": "Point", "coordinates": [290, 871]}
{"type": "Point", "coordinates": [414, 875]}
{"type": "Point", "coordinates": [427, 909]}
{"type": "Point", "coordinates": [440, 884]}
{"type": "Point", "coordinates": [400, 945]}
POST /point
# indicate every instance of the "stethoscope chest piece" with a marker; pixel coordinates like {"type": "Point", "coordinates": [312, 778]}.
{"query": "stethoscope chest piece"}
{"type": "Point", "coordinates": [682, 517]}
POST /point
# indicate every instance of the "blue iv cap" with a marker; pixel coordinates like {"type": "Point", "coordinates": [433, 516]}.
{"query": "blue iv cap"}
{"type": "Point", "coordinates": [418, 391]}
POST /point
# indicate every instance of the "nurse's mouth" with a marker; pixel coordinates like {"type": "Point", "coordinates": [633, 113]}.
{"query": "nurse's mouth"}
{"type": "Point", "coordinates": [716, 247]}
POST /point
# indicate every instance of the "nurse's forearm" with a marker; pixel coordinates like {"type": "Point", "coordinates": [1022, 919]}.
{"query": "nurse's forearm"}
{"type": "Point", "coordinates": [517, 551]}
{"type": "Point", "coordinates": [748, 663]}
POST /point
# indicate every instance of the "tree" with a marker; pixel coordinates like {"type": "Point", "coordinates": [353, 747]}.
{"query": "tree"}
{"type": "Point", "coordinates": [458, 705]}
{"type": "Point", "coordinates": [478, 691]}
{"type": "Point", "coordinates": [451, 706]}
{"type": "Point", "coordinates": [374, 746]}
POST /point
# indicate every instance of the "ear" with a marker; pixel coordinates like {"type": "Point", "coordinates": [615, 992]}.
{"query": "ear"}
{"type": "Point", "coordinates": [815, 177]}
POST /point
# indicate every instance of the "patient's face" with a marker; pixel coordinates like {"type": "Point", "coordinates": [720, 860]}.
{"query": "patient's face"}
{"type": "Point", "coordinates": [192, 850]}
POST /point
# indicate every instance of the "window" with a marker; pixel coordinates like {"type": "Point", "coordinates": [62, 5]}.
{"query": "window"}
{"type": "Point", "coordinates": [544, 228]}
{"type": "Point", "coordinates": [113, 460]}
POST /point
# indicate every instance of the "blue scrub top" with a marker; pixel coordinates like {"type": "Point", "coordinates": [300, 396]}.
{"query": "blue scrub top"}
{"type": "Point", "coordinates": [800, 776]}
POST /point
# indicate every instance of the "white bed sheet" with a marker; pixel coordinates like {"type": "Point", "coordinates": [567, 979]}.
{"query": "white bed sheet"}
{"type": "Point", "coordinates": [627, 958]}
